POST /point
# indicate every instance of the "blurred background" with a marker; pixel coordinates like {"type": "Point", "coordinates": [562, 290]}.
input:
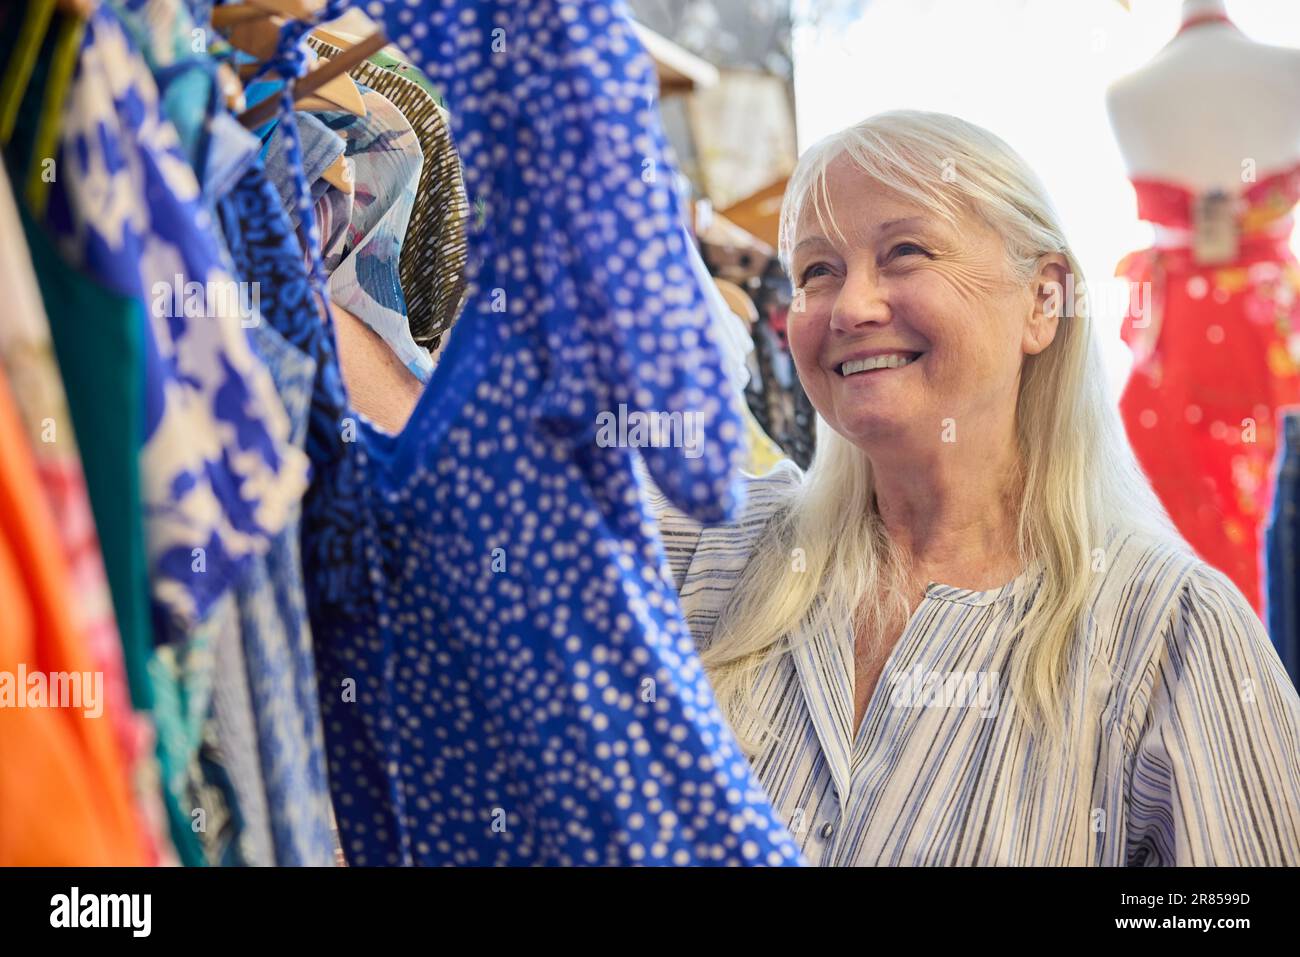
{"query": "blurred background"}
{"type": "Point", "coordinates": [777, 75]}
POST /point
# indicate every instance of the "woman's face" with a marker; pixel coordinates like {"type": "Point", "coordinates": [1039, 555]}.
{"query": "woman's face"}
{"type": "Point", "coordinates": [934, 303]}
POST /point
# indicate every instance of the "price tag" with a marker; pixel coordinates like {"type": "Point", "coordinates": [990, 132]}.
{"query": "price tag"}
{"type": "Point", "coordinates": [1215, 237]}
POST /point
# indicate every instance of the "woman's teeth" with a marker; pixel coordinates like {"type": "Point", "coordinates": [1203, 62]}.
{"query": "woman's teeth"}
{"type": "Point", "coordinates": [895, 360]}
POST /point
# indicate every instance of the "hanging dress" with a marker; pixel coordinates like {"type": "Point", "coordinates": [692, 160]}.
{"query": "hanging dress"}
{"type": "Point", "coordinates": [219, 476]}
{"type": "Point", "coordinates": [1215, 350]}
{"type": "Point", "coordinates": [505, 674]}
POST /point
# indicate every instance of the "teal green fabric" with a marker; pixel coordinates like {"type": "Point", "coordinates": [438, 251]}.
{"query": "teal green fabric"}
{"type": "Point", "coordinates": [164, 31]}
{"type": "Point", "coordinates": [98, 339]}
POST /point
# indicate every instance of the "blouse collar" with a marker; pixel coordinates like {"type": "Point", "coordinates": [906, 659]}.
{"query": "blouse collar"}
{"type": "Point", "coordinates": [1031, 574]}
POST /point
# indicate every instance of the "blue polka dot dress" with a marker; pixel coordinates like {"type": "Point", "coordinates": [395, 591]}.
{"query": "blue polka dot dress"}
{"type": "Point", "coordinates": [505, 673]}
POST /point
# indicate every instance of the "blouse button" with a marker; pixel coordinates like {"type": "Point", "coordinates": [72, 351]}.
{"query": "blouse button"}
{"type": "Point", "coordinates": [827, 829]}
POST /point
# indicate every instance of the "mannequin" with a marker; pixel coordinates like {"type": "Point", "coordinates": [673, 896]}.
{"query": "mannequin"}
{"type": "Point", "coordinates": [1210, 99]}
{"type": "Point", "coordinates": [1210, 133]}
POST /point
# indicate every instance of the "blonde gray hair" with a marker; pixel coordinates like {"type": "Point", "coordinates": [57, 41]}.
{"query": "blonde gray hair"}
{"type": "Point", "coordinates": [1078, 478]}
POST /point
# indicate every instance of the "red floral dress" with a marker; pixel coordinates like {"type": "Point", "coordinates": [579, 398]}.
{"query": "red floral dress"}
{"type": "Point", "coordinates": [1215, 357]}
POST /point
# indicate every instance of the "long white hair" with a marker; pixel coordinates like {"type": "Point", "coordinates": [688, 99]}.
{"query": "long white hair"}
{"type": "Point", "coordinates": [1078, 477]}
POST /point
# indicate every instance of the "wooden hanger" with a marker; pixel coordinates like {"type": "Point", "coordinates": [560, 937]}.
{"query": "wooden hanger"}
{"type": "Point", "coordinates": [228, 14]}
{"type": "Point", "coordinates": [339, 93]}
{"type": "Point", "coordinates": [259, 35]}
{"type": "Point", "coordinates": [339, 175]}
{"type": "Point", "coordinates": [293, 9]}
{"type": "Point", "coordinates": [313, 81]}
{"type": "Point", "coordinates": [335, 38]}
{"type": "Point", "coordinates": [251, 29]}
{"type": "Point", "coordinates": [232, 91]}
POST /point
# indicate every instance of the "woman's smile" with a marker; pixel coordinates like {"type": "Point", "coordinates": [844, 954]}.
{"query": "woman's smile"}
{"type": "Point", "coordinates": [880, 362]}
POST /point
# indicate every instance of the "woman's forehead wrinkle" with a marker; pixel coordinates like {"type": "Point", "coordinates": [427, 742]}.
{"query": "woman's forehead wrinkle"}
{"type": "Point", "coordinates": [815, 226]}
{"type": "Point", "coordinates": [810, 242]}
{"type": "Point", "coordinates": [895, 223]}
{"type": "Point", "coordinates": [858, 231]}
{"type": "Point", "coordinates": [869, 224]}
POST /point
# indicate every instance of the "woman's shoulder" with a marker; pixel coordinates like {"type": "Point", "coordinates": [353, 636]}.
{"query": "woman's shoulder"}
{"type": "Point", "coordinates": [766, 493]}
{"type": "Point", "coordinates": [1136, 580]}
{"type": "Point", "coordinates": [1209, 720]}
{"type": "Point", "coordinates": [1163, 609]}
{"type": "Point", "coordinates": [1137, 559]}
{"type": "Point", "coordinates": [1151, 583]}
{"type": "Point", "coordinates": [684, 538]}
{"type": "Point", "coordinates": [1162, 575]}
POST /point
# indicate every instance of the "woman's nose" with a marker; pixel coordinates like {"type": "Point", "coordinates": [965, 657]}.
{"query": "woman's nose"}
{"type": "Point", "coordinates": [860, 302]}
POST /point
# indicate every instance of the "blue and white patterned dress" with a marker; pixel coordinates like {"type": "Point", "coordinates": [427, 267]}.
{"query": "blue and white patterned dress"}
{"type": "Point", "coordinates": [505, 674]}
{"type": "Point", "coordinates": [273, 623]}
{"type": "Point", "coordinates": [220, 474]}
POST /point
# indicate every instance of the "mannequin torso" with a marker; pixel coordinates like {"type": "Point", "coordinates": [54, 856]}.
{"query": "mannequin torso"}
{"type": "Point", "coordinates": [1208, 102]}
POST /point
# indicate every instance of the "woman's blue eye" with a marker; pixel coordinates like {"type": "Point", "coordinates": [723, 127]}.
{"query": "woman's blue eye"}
{"type": "Point", "coordinates": [912, 246]}
{"type": "Point", "coordinates": [808, 273]}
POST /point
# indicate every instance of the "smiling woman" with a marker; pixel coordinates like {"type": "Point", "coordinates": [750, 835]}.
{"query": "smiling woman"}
{"type": "Point", "coordinates": [974, 513]}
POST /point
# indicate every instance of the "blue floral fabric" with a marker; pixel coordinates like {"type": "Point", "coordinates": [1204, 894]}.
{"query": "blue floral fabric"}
{"type": "Point", "coordinates": [167, 35]}
{"type": "Point", "coordinates": [505, 675]}
{"type": "Point", "coordinates": [277, 640]}
{"type": "Point", "coordinates": [220, 476]}
{"type": "Point", "coordinates": [318, 148]}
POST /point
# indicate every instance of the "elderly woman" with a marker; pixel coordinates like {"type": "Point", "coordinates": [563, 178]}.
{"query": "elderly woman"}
{"type": "Point", "coordinates": [969, 634]}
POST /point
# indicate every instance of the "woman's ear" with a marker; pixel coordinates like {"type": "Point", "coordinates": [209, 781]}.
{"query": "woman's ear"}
{"type": "Point", "coordinates": [1053, 300]}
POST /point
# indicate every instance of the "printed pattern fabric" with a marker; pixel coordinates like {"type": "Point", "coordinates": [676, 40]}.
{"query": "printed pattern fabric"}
{"type": "Point", "coordinates": [508, 679]}
{"type": "Point", "coordinates": [318, 148]}
{"type": "Point", "coordinates": [164, 31]}
{"type": "Point", "coordinates": [220, 476]}
{"type": "Point", "coordinates": [1216, 353]}
{"type": "Point", "coordinates": [333, 215]}
{"type": "Point", "coordinates": [273, 615]}
{"type": "Point", "coordinates": [27, 356]}
{"type": "Point", "coordinates": [386, 61]}
{"type": "Point", "coordinates": [386, 159]}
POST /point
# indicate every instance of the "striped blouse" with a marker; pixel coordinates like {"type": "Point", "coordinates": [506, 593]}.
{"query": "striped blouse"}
{"type": "Point", "coordinates": [1185, 728]}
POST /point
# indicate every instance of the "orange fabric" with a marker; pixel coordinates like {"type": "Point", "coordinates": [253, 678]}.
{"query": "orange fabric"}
{"type": "Point", "coordinates": [64, 793]}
